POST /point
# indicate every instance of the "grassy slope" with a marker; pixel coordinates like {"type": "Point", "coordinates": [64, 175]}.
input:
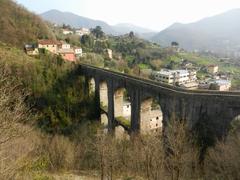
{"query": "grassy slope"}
{"type": "Point", "coordinates": [203, 60]}
{"type": "Point", "coordinates": [16, 59]}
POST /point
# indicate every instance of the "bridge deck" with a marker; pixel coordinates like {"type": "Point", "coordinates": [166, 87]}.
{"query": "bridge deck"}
{"type": "Point", "coordinates": [162, 85]}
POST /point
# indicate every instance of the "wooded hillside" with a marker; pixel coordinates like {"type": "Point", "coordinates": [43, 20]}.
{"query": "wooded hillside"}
{"type": "Point", "coordinates": [19, 26]}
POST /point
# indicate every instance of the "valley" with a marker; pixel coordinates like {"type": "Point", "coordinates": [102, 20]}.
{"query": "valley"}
{"type": "Point", "coordinates": [82, 99]}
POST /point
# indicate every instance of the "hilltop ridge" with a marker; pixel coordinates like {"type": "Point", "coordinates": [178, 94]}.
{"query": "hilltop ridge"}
{"type": "Point", "coordinates": [218, 33]}
{"type": "Point", "coordinates": [76, 21]}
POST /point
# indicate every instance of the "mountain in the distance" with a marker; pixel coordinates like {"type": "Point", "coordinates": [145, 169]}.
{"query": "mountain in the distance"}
{"type": "Point", "coordinates": [76, 21]}
{"type": "Point", "coordinates": [124, 28]}
{"type": "Point", "coordinates": [219, 33]}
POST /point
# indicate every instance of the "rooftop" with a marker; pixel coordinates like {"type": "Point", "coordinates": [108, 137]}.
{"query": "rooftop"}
{"type": "Point", "coordinates": [49, 42]}
{"type": "Point", "coordinates": [67, 30]}
{"type": "Point", "coordinates": [75, 47]}
{"type": "Point", "coordinates": [169, 72]}
{"type": "Point", "coordinates": [189, 85]}
{"type": "Point", "coordinates": [30, 46]}
{"type": "Point", "coordinates": [212, 65]}
{"type": "Point", "coordinates": [222, 82]}
{"type": "Point", "coordinates": [83, 29]}
{"type": "Point", "coordinates": [66, 51]}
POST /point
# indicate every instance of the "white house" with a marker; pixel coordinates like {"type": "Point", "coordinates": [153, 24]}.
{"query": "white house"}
{"type": "Point", "coordinates": [31, 49]}
{"type": "Point", "coordinates": [174, 76]}
{"type": "Point", "coordinates": [78, 51]}
{"type": "Point", "coordinates": [127, 109]}
{"type": "Point", "coordinates": [221, 85]}
{"type": "Point", "coordinates": [66, 31]}
{"type": "Point", "coordinates": [66, 46]}
{"type": "Point", "coordinates": [82, 31]}
{"type": "Point", "coordinates": [217, 84]}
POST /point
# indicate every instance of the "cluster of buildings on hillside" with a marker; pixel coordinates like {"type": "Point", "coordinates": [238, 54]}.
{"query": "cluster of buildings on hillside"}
{"type": "Point", "coordinates": [85, 31]}
{"type": "Point", "coordinates": [79, 32]}
{"type": "Point", "coordinates": [188, 79]}
{"type": "Point", "coordinates": [215, 80]}
{"type": "Point", "coordinates": [62, 48]}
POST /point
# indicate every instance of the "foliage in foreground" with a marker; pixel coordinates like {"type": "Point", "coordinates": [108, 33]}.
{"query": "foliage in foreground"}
{"type": "Point", "coordinates": [56, 91]}
{"type": "Point", "coordinates": [13, 115]}
{"type": "Point", "coordinates": [143, 157]}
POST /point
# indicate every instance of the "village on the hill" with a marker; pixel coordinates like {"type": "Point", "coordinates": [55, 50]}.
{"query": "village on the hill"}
{"type": "Point", "coordinates": [185, 77]}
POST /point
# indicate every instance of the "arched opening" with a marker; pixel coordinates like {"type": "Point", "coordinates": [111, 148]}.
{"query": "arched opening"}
{"type": "Point", "coordinates": [122, 107]}
{"type": "Point", "coordinates": [92, 86]}
{"type": "Point", "coordinates": [151, 116]}
{"type": "Point", "coordinates": [103, 96]}
{"type": "Point", "coordinates": [103, 91]}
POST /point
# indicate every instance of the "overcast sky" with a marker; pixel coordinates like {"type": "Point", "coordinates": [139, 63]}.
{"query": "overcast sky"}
{"type": "Point", "coordinates": [153, 14]}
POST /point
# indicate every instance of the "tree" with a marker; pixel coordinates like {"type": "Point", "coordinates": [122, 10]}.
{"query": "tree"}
{"type": "Point", "coordinates": [172, 65]}
{"type": "Point", "coordinates": [100, 46]}
{"type": "Point", "coordinates": [131, 34]}
{"type": "Point", "coordinates": [107, 155]}
{"type": "Point", "coordinates": [67, 40]}
{"type": "Point", "coordinates": [87, 41]}
{"type": "Point", "coordinates": [222, 161]}
{"type": "Point", "coordinates": [12, 114]}
{"type": "Point", "coordinates": [174, 44]}
{"type": "Point", "coordinates": [97, 32]}
{"type": "Point", "coordinates": [182, 155]}
{"type": "Point", "coordinates": [64, 26]}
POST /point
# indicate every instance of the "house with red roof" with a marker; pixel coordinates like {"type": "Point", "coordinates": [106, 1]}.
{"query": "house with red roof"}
{"type": "Point", "coordinates": [67, 54]}
{"type": "Point", "coordinates": [50, 45]}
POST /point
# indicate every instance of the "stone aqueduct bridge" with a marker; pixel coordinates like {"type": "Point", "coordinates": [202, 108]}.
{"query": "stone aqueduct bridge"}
{"type": "Point", "coordinates": [205, 108]}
